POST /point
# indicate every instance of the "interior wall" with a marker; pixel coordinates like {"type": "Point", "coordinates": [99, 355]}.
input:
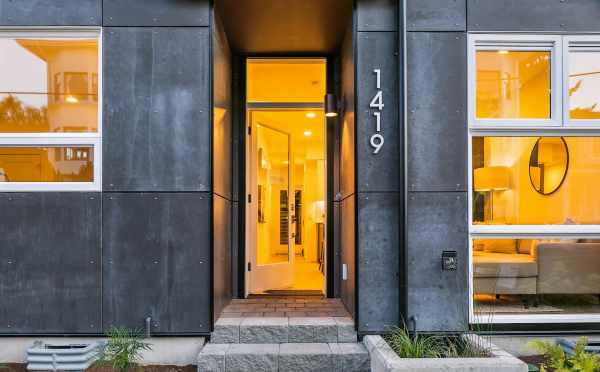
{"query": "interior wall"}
{"type": "Point", "coordinates": [222, 168]}
{"type": "Point", "coordinates": [576, 201]}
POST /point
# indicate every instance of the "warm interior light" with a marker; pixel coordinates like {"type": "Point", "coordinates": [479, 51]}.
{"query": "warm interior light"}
{"type": "Point", "coordinates": [503, 52]}
{"type": "Point", "coordinates": [307, 133]}
{"type": "Point", "coordinates": [331, 114]}
{"type": "Point", "coordinates": [311, 115]}
{"type": "Point", "coordinates": [72, 99]}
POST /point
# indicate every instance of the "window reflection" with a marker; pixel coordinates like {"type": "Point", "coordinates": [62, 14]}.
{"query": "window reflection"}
{"type": "Point", "coordinates": [513, 84]}
{"type": "Point", "coordinates": [584, 85]}
{"type": "Point", "coordinates": [46, 164]}
{"type": "Point", "coordinates": [48, 85]}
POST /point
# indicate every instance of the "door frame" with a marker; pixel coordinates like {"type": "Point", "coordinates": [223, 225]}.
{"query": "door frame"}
{"type": "Point", "coordinates": [240, 115]}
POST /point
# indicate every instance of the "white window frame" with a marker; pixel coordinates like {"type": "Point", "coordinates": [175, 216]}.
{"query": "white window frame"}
{"type": "Point", "coordinates": [582, 43]}
{"type": "Point", "coordinates": [559, 126]}
{"type": "Point", "coordinates": [51, 139]}
{"type": "Point", "coordinates": [494, 42]}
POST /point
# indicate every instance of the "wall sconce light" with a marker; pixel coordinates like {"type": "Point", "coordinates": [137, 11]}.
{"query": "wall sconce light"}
{"type": "Point", "coordinates": [331, 106]}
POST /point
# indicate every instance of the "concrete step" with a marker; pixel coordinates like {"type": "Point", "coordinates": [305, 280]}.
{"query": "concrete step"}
{"type": "Point", "coordinates": [289, 357]}
{"type": "Point", "coordinates": [283, 330]}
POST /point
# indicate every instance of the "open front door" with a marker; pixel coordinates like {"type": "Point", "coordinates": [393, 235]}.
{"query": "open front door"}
{"type": "Point", "coordinates": [270, 211]}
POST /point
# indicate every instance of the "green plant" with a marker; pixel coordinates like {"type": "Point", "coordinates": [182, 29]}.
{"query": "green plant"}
{"type": "Point", "coordinates": [559, 361]}
{"type": "Point", "coordinates": [417, 346]}
{"type": "Point", "coordinates": [123, 349]}
{"type": "Point", "coordinates": [460, 345]}
{"type": "Point", "coordinates": [464, 346]}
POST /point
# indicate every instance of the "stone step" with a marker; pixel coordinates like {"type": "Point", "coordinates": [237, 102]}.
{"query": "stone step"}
{"type": "Point", "coordinates": [289, 357]}
{"type": "Point", "coordinates": [283, 330]}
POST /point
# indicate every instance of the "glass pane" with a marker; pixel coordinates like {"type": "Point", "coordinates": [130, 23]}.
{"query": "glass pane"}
{"type": "Point", "coordinates": [273, 231]}
{"type": "Point", "coordinates": [46, 164]}
{"type": "Point", "coordinates": [584, 85]}
{"type": "Point", "coordinates": [536, 181]}
{"type": "Point", "coordinates": [535, 276]}
{"type": "Point", "coordinates": [286, 80]}
{"type": "Point", "coordinates": [513, 84]}
{"type": "Point", "coordinates": [48, 85]}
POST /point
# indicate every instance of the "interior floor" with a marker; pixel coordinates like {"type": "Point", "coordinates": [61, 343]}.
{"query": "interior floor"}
{"type": "Point", "coordinates": [307, 275]}
{"type": "Point", "coordinates": [546, 304]}
{"type": "Point", "coordinates": [285, 306]}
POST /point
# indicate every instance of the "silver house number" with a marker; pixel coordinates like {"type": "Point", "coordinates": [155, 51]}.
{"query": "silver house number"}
{"type": "Point", "coordinates": [377, 139]}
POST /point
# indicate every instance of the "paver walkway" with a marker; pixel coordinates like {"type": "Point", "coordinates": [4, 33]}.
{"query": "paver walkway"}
{"type": "Point", "coordinates": [285, 306]}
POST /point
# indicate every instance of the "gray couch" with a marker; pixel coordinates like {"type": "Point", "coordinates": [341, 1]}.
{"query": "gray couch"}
{"type": "Point", "coordinates": [548, 268]}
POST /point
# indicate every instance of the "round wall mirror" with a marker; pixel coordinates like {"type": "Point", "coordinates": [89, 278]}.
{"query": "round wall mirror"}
{"type": "Point", "coordinates": [548, 164]}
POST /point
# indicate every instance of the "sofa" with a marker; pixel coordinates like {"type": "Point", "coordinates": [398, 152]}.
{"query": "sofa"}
{"type": "Point", "coordinates": [531, 267]}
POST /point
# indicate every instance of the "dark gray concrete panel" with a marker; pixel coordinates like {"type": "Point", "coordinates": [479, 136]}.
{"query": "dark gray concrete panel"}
{"type": "Point", "coordinates": [533, 15]}
{"type": "Point", "coordinates": [50, 12]}
{"type": "Point", "coordinates": [378, 261]}
{"type": "Point", "coordinates": [377, 172]}
{"type": "Point", "coordinates": [348, 127]}
{"type": "Point", "coordinates": [156, 261]}
{"type": "Point", "coordinates": [437, 111]}
{"type": "Point", "coordinates": [438, 300]}
{"type": "Point", "coordinates": [222, 113]}
{"type": "Point", "coordinates": [156, 13]}
{"type": "Point", "coordinates": [348, 252]}
{"type": "Point", "coordinates": [377, 15]}
{"type": "Point", "coordinates": [50, 263]}
{"type": "Point", "coordinates": [436, 15]}
{"type": "Point", "coordinates": [156, 116]}
{"type": "Point", "coordinates": [222, 213]}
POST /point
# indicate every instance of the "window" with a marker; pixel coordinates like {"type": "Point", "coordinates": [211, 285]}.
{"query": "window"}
{"type": "Point", "coordinates": [534, 139]}
{"type": "Point", "coordinates": [582, 81]}
{"type": "Point", "coordinates": [512, 80]}
{"type": "Point", "coordinates": [50, 132]}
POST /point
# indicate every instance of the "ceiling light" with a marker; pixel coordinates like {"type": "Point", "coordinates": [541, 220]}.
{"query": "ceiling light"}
{"type": "Point", "coordinates": [71, 99]}
{"type": "Point", "coordinates": [311, 115]}
{"type": "Point", "coordinates": [503, 52]}
{"type": "Point", "coordinates": [307, 133]}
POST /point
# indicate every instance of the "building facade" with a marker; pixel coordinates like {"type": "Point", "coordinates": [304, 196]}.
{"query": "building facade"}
{"type": "Point", "coordinates": [149, 151]}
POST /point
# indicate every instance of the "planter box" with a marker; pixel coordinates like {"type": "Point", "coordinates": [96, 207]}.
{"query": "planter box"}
{"type": "Point", "coordinates": [384, 359]}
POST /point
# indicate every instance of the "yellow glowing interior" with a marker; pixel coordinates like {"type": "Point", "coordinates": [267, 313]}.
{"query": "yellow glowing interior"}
{"type": "Point", "coordinates": [46, 164]}
{"type": "Point", "coordinates": [305, 163]}
{"type": "Point", "coordinates": [513, 84]}
{"type": "Point", "coordinates": [290, 146]}
{"type": "Point", "coordinates": [584, 85]}
{"type": "Point", "coordinates": [286, 80]}
{"type": "Point", "coordinates": [576, 201]}
{"type": "Point", "coordinates": [48, 85]}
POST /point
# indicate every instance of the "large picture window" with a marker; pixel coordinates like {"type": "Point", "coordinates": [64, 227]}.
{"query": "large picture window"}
{"type": "Point", "coordinates": [534, 139]}
{"type": "Point", "coordinates": [50, 132]}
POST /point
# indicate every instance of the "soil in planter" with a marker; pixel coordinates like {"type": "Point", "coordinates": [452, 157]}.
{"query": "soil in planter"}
{"type": "Point", "coordinates": [535, 360]}
{"type": "Point", "coordinates": [14, 367]}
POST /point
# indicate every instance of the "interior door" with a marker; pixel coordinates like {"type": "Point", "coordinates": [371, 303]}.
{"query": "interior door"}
{"type": "Point", "coordinates": [270, 238]}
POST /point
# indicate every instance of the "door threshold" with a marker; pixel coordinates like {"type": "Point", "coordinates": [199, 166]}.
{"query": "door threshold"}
{"type": "Point", "coordinates": [292, 292]}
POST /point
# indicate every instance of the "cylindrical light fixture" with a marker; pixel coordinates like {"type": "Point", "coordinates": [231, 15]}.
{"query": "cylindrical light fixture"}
{"type": "Point", "coordinates": [331, 109]}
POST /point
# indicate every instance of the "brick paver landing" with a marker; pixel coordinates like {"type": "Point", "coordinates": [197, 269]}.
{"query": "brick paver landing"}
{"type": "Point", "coordinates": [285, 306]}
